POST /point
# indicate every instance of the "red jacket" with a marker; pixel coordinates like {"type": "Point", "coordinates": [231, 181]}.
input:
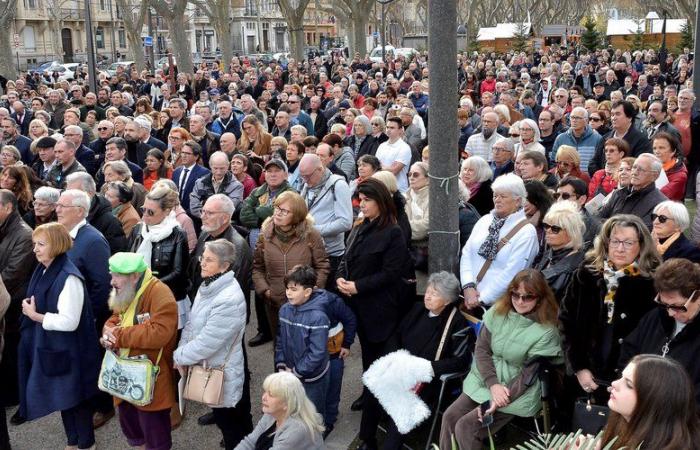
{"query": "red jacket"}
{"type": "Point", "coordinates": [601, 182]}
{"type": "Point", "coordinates": [677, 177]}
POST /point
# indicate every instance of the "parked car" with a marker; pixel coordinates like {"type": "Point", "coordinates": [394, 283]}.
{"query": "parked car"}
{"type": "Point", "coordinates": [112, 70]}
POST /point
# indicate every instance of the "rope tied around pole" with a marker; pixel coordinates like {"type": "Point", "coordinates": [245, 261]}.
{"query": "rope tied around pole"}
{"type": "Point", "coordinates": [444, 181]}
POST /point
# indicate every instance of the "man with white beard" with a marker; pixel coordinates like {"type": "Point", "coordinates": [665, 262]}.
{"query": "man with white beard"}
{"type": "Point", "coordinates": [143, 322]}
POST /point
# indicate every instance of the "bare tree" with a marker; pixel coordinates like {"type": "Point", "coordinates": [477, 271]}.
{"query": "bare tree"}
{"type": "Point", "coordinates": [293, 11]}
{"type": "Point", "coordinates": [359, 14]}
{"type": "Point", "coordinates": [8, 11]}
{"type": "Point", "coordinates": [174, 13]}
{"type": "Point", "coordinates": [133, 18]}
{"type": "Point", "coordinates": [343, 15]}
{"type": "Point", "coordinates": [218, 13]}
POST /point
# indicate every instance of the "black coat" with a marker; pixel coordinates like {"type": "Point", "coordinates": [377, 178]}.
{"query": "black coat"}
{"type": "Point", "coordinates": [169, 259]}
{"type": "Point", "coordinates": [483, 199]}
{"type": "Point", "coordinates": [101, 217]}
{"type": "Point", "coordinates": [558, 267]}
{"type": "Point", "coordinates": [637, 141]}
{"type": "Point", "coordinates": [375, 260]}
{"type": "Point", "coordinates": [683, 248]}
{"type": "Point", "coordinates": [640, 203]}
{"type": "Point", "coordinates": [583, 320]}
{"type": "Point", "coordinates": [654, 331]}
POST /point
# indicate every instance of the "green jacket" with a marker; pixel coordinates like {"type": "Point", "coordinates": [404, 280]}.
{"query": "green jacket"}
{"type": "Point", "coordinates": [259, 205]}
{"type": "Point", "coordinates": [515, 339]}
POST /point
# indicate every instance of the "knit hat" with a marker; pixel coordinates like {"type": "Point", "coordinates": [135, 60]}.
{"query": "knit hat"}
{"type": "Point", "coordinates": [46, 142]}
{"type": "Point", "coordinates": [127, 263]}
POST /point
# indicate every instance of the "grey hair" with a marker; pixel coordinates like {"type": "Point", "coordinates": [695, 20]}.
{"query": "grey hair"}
{"type": "Point", "coordinates": [179, 101]}
{"type": "Point", "coordinates": [676, 211]}
{"type": "Point", "coordinates": [48, 194]}
{"type": "Point", "coordinates": [74, 129]}
{"type": "Point", "coordinates": [446, 284]}
{"type": "Point", "coordinates": [300, 128]}
{"type": "Point", "coordinates": [511, 184]}
{"type": "Point", "coordinates": [566, 214]}
{"type": "Point", "coordinates": [143, 123]}
{"type": "Point", "coordinates": [227, 205]}
{"type": "Point", "coordinates": [87, 183]}
{"type": "Point", "coordinates": [78, 198]}
{"type": "Point", "coordinates": [582, 110]}
{"type": "Point", "coordinates": [480, 166]}
{"type": "Point", "coordinates": [656, 164]}
{"type": "Point", "coordinates": [15, 152]}
{"type": "Point", "coordinates": [531, 124]}
{"type": "Point", "coordinates": [224, 250]}
{"type": "Point", "coordinates": [121, 169]}
{"type": "Point", "coordinates": [170, 184]}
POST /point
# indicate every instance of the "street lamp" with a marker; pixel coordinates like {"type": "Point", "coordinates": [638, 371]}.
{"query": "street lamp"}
{"type": "Point", "coordinates": [384, 3]}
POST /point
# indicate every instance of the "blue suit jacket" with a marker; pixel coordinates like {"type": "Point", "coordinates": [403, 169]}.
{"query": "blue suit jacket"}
{"type": "Point", "coordinates": [197, 173]}
{"type": "Point", "coordinates": [90, 254]}
{"type": "Point", "coordinates": [23, 144]}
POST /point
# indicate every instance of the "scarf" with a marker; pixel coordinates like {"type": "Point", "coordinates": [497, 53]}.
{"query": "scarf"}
{"type": "Point", "coordinates": [284, 236]}
{"type": "Point", "coordinates": [663, 246]}
{"type": "Point", "coordinates": [489, 248]}
{"type": "Point", "coordinates": [206, 281]}
{"type": "Point", "coordinates": [155, 233]}
{"type": "Point", "coordinates": [474, 188]}
{"type": "Point", "coordinates": [128, 317]}
{"type": "Point", "coordinates": [669, 165]}
{"type": "Point", "coordinates": [612, 280]}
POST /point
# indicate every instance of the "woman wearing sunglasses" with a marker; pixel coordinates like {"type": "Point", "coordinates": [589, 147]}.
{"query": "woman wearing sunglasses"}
{"type": "Point", "coordinates": [672, 329]}
{"type": "Point", "coordinates": [519, 329]}
{"type": "Point", "coordinates": [670, 219]}
{"type": "Point", "coordinates": [607, 297]}
{"type": "Point", "coordinates": [564, 229]}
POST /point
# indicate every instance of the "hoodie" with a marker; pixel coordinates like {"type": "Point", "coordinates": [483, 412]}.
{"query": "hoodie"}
{"type": "Point", "coordinates": [302, 338]}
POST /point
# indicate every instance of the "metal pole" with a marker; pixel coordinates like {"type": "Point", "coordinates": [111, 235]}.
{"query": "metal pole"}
{"type": "Point", "coordinates": [696, 58]}
{"type": "Point", "coordinates": [151, 53]}
{"type": "Point", "coordinates": [114, 45]}
{"type": "Point", "coordinates": [382, 33]}
{"type": "Point", "coordinates": [442, 136]}
{"type": "Point", "coordinates": [90, 48]}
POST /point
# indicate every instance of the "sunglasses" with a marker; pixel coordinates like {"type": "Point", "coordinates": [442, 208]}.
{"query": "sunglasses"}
{"type": "Point", "coordinates": [553, 228]}
{"type": "Point", "coordinates": [564, 196]}
{"type": "Point", "coordinates": [513, 135]}
{"type": "Point", "coordinates": [525, 298]}
{"type": "Point", "coordinates": [103, 129]}
{"type": "Point", "coordinates": [676, 308]}
{"type": "Point", "coordinates": [661, 217]}
{"type": "Point", "coordinates": [414, 174]}
{"type": "Point", "coordinates": [594, 119]}
{"type": "Point", "coordinates": [147, 211]}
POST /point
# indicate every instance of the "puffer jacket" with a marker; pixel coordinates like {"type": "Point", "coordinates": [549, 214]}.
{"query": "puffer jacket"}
{"type": "Point", "coordinates": [169, 259]}
{"type": "Point", "coordinates": [302, 338]}
{"type": "Point", "coordinates": [204, 188]}
{"type": "Point", "coordinates": [214, 332]}
{"type": "Point", "coordinates": [272, 259]}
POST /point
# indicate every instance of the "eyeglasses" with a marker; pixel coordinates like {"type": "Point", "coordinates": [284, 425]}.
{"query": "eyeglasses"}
{"type": "Point", "coordinates": [661, 217]}
{"type": "Point", "coordinates": [149, 212]}
{"type": "Point", "coordinates": [174, 138]}
{"type": "Point", "coordinates": [522, 297]}
{"type": "Point", "coordinates": [564, 196]}
{"type": "Point", "coordinates": [675, 308]}
{"type": "Point", "coordinates": [627, 245]}
{"type": "Point", "coordinates": [187, 154]}
{"type": "Point", "coordinates": [414, 174]}
{"type": "Point", "coordinates": [60, 206]}
{"type": "Point", "coordinates": [292, 101]}
{"type": "Point", "coordinates": [577, 118]}
{"type": "Point", "coordinates": [553, 228]}
{"type": "Point", "coordinates": [281, 211]}
{"type": "Point", "coordinates": [636, 168]}
{"type": "Point", "coordinates": [209, 213]}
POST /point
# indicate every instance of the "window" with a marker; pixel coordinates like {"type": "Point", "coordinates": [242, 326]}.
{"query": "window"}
{"type": "Point", "coordinates": [28, 37]}
{"type": "Point", "coordinates": [31, 4]}
{"type": "Point", "coordinates": [100, 37]}
{"type": "Point", "coordinates": [103, 4]}
{"type": "Point", "coordinates": [122, 38]}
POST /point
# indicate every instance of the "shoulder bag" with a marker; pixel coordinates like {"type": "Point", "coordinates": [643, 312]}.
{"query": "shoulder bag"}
{"type": "Point", "coordinates": [487, 264]}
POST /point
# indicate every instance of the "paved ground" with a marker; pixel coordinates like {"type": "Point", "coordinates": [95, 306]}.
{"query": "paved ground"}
{"type": "Point", "coordinates": [47, 433]}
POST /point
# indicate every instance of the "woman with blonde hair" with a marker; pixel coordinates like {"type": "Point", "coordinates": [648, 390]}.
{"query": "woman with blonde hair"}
{"type": "Point", "coordinates": [37, 129]}
{"type": "Point", "coordinates": [568, 164]}
{"type": "Point", "coordinates": [278, 147]}
{"type": "Point", "coordinates": [254, 141]}
{"type": "Point", "coordinates": [289, 420]}
{"type": "Point", "coordinates": [286, 239]}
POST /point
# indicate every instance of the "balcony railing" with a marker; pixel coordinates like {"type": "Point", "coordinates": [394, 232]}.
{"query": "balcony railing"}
{"type": "Point", "coordinates": [72, 14]}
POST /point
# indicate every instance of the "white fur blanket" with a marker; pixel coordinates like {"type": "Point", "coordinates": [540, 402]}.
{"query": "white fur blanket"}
{"type": "Point", "coordinates": [391, 378]}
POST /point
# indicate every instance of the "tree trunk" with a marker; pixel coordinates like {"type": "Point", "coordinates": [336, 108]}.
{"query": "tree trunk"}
{"type": "Point", "coordinates": [359, 27]}
{"type": "Point", "coordinates": [133, 23]}
{"type": "Point", "coordinates": [296, 40]}
{"type": "Point", "coordinates": [223, 36]}
{"type": "Point", "coordinates": [181, 45]}
{"type": "Point", "coordinates": [136, 49]}
{"type": "Point", "coordinates": [7, 62]}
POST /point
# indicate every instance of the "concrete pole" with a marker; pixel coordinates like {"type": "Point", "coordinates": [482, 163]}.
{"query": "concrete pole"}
{"type": "Point", "coordinates": [696, 59]}
{"type": "Point", "coordinates": [92, 75]}
{"type": "Point", "coordinates": [443, 136]}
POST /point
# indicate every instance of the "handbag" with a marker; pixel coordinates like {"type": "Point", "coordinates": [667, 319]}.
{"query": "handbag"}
{"type": "Point", "coordinates": [131, 378]}
{"type": "Point", "coordinates": [588, 417]}
{"type": "Point", "coordinates": [487, 264]}
{"type": "Point", "coordinates": [206, 384]}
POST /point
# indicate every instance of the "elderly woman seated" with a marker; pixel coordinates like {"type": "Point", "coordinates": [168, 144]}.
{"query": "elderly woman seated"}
{"type": "Point", "coordinates": [476, 175]}
{"type": "Point", "coordinates": [670, 220]}
{"type": "Point", "coordinates": [518, 331]}
{"type": "Point", "coordinates": [485, 260]}
{"type": "Point", "coordinates": [421, 333]}
{"type": "Point", "coordinates": [563, 252]}
{"type": "Point", "coordinates": [45, 200]}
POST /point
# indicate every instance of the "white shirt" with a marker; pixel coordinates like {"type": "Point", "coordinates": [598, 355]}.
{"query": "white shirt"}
{"type": "Point", "coordinates": [478, 146]}
{"type": "Point", "coordinates": [399, 151]}
{"type": "Point", "coordinates": [74, 232]}
{"type": "Point", "coordinates": [70, 307]}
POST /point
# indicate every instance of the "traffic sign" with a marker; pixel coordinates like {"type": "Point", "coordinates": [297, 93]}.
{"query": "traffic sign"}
{"type": "Point", "coordinates": [148, 41]}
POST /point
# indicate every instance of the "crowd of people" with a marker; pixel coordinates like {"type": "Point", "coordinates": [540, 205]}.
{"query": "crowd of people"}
{"type": "Point", "coordinates": [147, 220]}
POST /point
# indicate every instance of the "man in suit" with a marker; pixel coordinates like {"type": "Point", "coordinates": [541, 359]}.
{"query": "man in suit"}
{"type": "Point", "coordinates": [22, 117]}
{"type": "Point", "coordinates": [83, 154]}
{"type": "Point", "coordinates": [144, 132]}
{"type": "Point", "coordinates": [189, 172]}
{"type": "Point", "coordinates": [116, 151]}
{"type": "Point", "coordinates": [11, 136]}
